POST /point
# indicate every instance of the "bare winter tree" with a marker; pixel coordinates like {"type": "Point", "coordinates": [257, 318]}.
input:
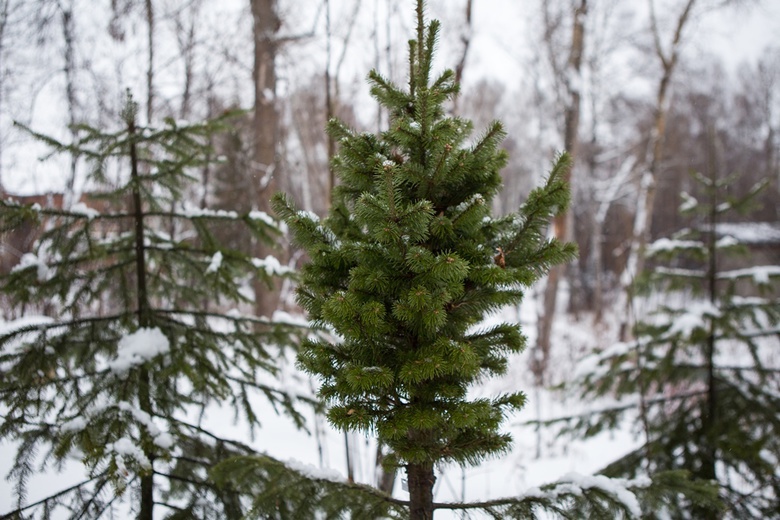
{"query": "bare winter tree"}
{"type": "Point", "coordinates": [186, 22]}
{"type": "Point", "coordinates": [465, 40]}
{"type": "Point", "coordinates": [569, 73]}
{"type": "Point", "coordinates": [332, 74]}
{"type": "Point", "coordinates": [762, 96]}
{"type": "Point", "coordinates": [265, 130]}
{"type": "Point", "coordinates": [668, 56]}
{"type": "Point", "coordinates": [606, 155]}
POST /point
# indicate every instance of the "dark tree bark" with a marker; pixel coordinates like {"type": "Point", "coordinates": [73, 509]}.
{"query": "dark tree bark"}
{"type": "Point", "coordinates": [709, 456]}
{"type": "Point", "coordinates": [421, 479]}
{"type": "Point", "coordinates": [144, 392]}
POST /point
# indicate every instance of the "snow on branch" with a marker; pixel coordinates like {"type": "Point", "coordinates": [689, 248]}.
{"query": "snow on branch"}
{"type": "Point", "coordinates": [137, 348]}
{"type": "Point", "coordinates": [760, 273]}
{"type": "Point", "coordinates": [573, 487]}
{"type": "Point", "coordinates": [271, 265]}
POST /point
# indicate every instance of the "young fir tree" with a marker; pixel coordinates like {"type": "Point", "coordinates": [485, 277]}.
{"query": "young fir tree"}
{"type": "Point", "coordinates": [404, 269]}
{"type": "Point", "coordinates": [702, 378]}
{"type": "Point", "coordinates": [143, 334]}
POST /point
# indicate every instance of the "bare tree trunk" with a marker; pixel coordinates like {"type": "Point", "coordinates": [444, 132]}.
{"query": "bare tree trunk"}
{"type": "Point", "coordinates": [150, 64]}
{"type": "Point", "coordinates": [386, 477]}
{"type": "Point", "coordinates": [348, 455]}
{"type": "Point", "coordinates": [266, 24]}
{"type": "Point", "coordinates": [329, 112]}
{"type": "Point", "coordinates": [562, 223]}
{"type": "Point", "coordinates": [643, 218]}
{"type": "Point", "coordinates": [332, 96]}
{"type": "Point", "coordinates": [465, 39]}
{"type": "Point", "coordinates": [185, 37]}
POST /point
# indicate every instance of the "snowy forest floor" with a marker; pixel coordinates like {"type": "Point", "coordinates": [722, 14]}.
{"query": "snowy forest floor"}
{"type": "Point", "coordinates": [536, 458]}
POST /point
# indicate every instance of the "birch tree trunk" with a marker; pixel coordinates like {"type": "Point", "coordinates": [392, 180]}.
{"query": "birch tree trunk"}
{"type": "Point", "coordinates": [643, 218]}
{"type": "Point", "coordinates": [69, 55]}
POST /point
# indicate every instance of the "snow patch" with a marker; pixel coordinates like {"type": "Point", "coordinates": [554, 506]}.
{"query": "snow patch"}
{"type": "Point", "coordinates": [216, 263]}
{"type": "Point", "coordinates": [696, 316]}
{"type": "Point", "coordinates": [286, 318]}
{"type": "Point", "coordinates": [9, 327]}
{"type": "Point", "coordinates": [161, 439]}
{"type": "Point", "coordinates": [263, 217]}
{"type": "Point", "coordinates": [82, 209]}
{"type": "Point", "coordinates": [726, 241]}
{"type": "Point", "coordinates": [751, 232]}
{"type": "Point", "coordinates": [271, 265]}
{"type": "Point", "coordinates": [137, 348]}
{"type": "Point", "coordinates": [689, 203]}
{"type": "Point", "coordinates": [313, 472]}
{"type": "Point", "coordinates": [127, 448]}
{"type": "Point", "coordinates": [74, 425]}
{"type": "Point", "coordinates": [759, 273]}
{"type": "Point", "coordinates": [191, 211]}
{"type": "Point", "coordinates": [31, 260]}
{"type": "Point", "coordinates": [15, 326]}
{"type": "Point", "coordinates": [618, 488]}
{"type": "Point", "coordinates": [308, 215]}
{"type": "Point", "coordinates": [668, 244]}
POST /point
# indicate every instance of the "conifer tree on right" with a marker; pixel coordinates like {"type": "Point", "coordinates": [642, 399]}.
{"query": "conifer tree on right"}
{"type": "Point", "coordinates": [703, 371]}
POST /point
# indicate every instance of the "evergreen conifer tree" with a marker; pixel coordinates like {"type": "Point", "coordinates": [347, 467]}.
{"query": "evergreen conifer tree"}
{"type": "Point", "coordinates": [404, 269]}
{"type": "Point", "coordinates": [702, 378]}
{"type": "Point", "coordinates": [129, 325]}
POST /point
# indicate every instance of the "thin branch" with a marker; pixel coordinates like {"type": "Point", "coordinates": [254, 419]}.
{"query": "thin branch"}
{"type": "Point", "coordinates": [15, 513]}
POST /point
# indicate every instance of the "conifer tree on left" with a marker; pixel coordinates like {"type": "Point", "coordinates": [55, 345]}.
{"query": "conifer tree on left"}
{"type": "Point", "coordinates": [127, 321]}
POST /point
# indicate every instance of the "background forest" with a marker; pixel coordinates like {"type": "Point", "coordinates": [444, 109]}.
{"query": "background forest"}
{"type": "Point", "coordinates": [658, 102]}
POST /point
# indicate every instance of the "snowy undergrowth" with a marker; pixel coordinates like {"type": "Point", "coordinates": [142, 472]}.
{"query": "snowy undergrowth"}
{"type": "Point", "coordinates": [536, 458]}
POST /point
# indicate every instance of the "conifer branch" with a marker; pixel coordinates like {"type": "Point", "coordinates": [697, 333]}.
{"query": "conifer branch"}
{"type": "Point", "coordinates": [52, 498]}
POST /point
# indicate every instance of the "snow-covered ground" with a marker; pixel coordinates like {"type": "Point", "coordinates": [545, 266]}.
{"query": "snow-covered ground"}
{"type": "Point", "coordinates": [536, 458]}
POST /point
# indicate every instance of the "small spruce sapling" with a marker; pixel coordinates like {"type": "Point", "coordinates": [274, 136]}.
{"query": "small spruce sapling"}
{"type": "Point", "coordinates": [407, 265]}
{"type": "Point", "coordinates": [703, 369]}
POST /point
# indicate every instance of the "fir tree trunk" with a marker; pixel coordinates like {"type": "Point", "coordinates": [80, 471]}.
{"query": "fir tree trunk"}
{"type": "Point", "coordinates": [144, 394]}
{"type": "Point", "coordinates": [421, 479]}
{"type": "Point", "coordinates": [707, 470]}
